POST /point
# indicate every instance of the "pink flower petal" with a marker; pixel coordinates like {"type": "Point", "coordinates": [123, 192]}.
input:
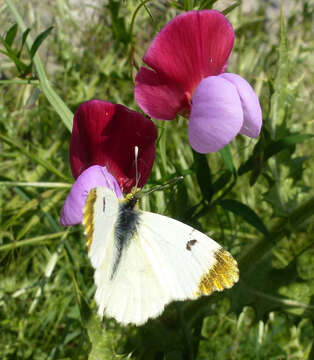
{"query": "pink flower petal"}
{"type": "Point", "coordinates": [94, 176]}
{"type": "Point", "coordinates": [216, 115]}
{"type": "Point", "coordinates": [106, 134]}
{"type": "Point", "coordinates": [192, 46]}
{"type": "Point", "coordinates": [252, 112]}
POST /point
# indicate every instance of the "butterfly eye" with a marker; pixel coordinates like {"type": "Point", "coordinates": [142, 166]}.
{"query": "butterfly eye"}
{"type": "Point", "coordinates": [104, 204]}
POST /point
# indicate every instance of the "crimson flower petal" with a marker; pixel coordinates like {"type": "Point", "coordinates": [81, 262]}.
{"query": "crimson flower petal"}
{"type": "Point", "coordinates": [157, 96]}
{"type": "Point", "coordinates": [192, 46]}
{"type": "Point", "coordinates": [216, 115]}
{"type": "Point", "coordinates": [252, 112]}
{"type": "Point", "coordinates": [106, 134]}
{"type": "Point", "coordinates": [94, 176]}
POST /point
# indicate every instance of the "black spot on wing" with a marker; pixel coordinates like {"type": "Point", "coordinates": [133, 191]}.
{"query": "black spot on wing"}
{"type": "Point", "coordinates": [190, 243]}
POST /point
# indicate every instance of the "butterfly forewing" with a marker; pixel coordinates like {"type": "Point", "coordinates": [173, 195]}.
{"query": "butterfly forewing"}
{"type": "Point", "coordinates": [99, 216]}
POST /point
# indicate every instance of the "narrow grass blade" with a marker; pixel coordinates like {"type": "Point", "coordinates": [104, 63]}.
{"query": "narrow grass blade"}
{"type": "Point", "coordinates": [231, 7]}
{"type": "Point", "coordinates": [36, 184]}
{"type": "Point", "coordinates": [34, 241]}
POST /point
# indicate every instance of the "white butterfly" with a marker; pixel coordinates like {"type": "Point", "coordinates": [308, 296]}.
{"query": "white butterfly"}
{"type": "Point", "coordinates": [144, 260]}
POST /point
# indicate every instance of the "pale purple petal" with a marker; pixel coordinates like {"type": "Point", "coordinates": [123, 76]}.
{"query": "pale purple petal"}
{"type": "Point", "coordinates": [94, 176]}
{"type": "Point", "coordinates": [252, 112]}
{"type": "Point", "coordinates": [216, 115]}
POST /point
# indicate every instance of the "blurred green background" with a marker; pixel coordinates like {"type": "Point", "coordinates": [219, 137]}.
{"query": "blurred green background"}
{"type": "Point", "coordinates": [255, 197]}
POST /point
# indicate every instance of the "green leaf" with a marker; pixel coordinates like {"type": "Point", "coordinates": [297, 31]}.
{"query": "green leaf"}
{"type": "Point", "coordinates": [296, 167]}
{"type": "Point", "coordinates": [284, 143]}
{"type": "Point", "coordinates": [11, 34]}
{"type": "Point", "coordinates": [38, 41]}
{"type": "Point", "coordinates": [246, 213]}
{"type": "Point", "coordinates": [222, 181]}
{"type": "Point", "coordinates": [272, 197]}
{"type": "Point", "coordinates": [305, 264]}
{"type": "Point", "coordinates": [274, 148]}
{"type": "Point", "coordinates": [226, 156]}
{"type": "Point", "coordinates": [13, 56]}
{"type": "Point", "coordinates": [203, 175]}
{"type": "Point", "coordinates": [24, 37]}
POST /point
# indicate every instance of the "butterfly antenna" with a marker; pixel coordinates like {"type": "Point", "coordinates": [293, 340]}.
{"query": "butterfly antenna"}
{"type": "Point", "coordinates": [160, 187]}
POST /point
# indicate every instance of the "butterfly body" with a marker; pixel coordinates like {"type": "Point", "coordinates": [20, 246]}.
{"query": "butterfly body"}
{"type": "Point", "coordinates": [144, 260]}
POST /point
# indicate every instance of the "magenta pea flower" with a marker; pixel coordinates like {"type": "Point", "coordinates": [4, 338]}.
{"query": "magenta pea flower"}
{"type": "Point", "coordinates": [102, 146]}
{"type": "Point", "coordinates": [186, 61]}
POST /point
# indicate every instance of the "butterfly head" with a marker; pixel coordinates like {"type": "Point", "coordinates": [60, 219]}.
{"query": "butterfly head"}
{"type": "Point", "coordinates": [133, 196]}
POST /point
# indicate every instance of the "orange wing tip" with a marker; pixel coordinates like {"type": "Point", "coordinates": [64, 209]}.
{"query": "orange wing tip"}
{"type": "Point", "coordinates": [222, 275]}
{"type": "Point", "coordinates": [88, 217]}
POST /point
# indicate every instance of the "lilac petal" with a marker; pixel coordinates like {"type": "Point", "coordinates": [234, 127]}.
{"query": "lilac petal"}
{"type": "Point", "coordinates": [252, 112]}
{"type": "Point", "coordinates": [216, 115]}
{"type": "Point", "coordinates": [94, 176]}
